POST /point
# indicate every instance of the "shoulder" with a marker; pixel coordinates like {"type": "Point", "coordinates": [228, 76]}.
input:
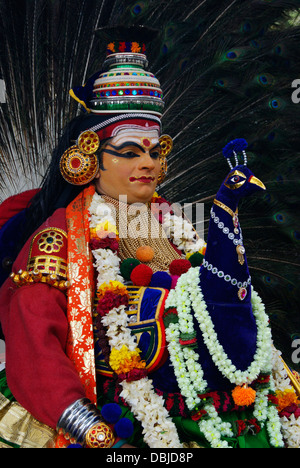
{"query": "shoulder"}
{"type": "Point", "coordinates": [44, 256]}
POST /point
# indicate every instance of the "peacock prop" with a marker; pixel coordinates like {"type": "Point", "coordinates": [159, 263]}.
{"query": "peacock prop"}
{"type": "Point", "coordinates": [226, 69]}
{"type": "Point", "coordinates": [224, 275]}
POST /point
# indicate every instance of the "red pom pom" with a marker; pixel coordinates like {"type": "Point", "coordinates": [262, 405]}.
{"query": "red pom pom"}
{"type": "Point", "coordinates": [180, 266]}
{"type": "Point", "coordinates": [141, 275]}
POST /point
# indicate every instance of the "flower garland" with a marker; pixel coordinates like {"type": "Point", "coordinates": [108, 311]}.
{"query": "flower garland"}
{"type": "Point", "coordinates": [188, 294]}
{"type": "Point", "coordinates": [288, 403]}
{"type": "Point", "coordinates": [124, 358]}
{"type": "Point", "coordinates": [179, 229]}
{"type": "Point", "coordinates": [148, 407]}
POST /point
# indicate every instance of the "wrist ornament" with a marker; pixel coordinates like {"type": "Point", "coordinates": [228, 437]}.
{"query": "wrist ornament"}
{"type": "Point", "coordinates": [82, 423]}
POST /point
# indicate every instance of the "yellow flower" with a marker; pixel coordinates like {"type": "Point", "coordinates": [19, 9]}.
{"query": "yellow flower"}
{"type": "Point", "coordinates": [106, 226]}
{"type": "Point", "coordinates": [93, 233]}
{"type": "Point", "coordinates": [122, 360]}
{"type": "Point", "coordinates": [114, 286]}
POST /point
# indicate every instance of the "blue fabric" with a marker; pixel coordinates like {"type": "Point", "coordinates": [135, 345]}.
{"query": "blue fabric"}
{"type": "Point", "coordinates": [10, 235]}
{"type": "Point", "coordinates": [232, 318]}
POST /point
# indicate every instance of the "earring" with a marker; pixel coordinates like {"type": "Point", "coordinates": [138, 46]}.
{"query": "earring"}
{"type": "Point", "coordinates": [79, 164]}
{"type": "Point", "coordinates": [166, 146]}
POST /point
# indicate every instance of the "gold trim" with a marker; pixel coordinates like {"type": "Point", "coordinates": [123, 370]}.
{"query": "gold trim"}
{"type": "Point", "coordinates": [48, 265]}
{"type": "Point", "coordinates": [292, 378]}
{"type": "Point", "coordinates": [31, 277]}
{"type": "Point", "coordinates": [61, 231]}
{"type": "Point", "coordinates": [226, 208]}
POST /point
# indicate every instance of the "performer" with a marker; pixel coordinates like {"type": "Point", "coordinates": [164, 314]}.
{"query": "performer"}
{"type": "Point", "coordinates": [86, 313]}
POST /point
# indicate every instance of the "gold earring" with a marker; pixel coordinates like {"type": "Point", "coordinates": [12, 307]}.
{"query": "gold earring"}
{"type": "Point", "coordinates": [79, 164]}
{"type": "Point", "coordinates": [166, 146]}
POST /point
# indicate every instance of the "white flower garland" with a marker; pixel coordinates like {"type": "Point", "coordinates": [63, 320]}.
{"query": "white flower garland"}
{"type": "Point", "coordinates": [148, 407]}
{"type": "Point", "coordinates": [214, 428]}
{"type": "Point", "coordinates": [182, 233]}
{"type": "Point", "coordinates": [159, 430]}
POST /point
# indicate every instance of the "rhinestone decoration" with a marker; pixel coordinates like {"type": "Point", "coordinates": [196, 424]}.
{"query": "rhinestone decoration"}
{"type": "Point", "coordinates": [100, 436]}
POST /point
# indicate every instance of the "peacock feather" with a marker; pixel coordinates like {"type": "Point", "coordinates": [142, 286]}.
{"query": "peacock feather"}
{"type": "Point", "coordinates": [226, 68]}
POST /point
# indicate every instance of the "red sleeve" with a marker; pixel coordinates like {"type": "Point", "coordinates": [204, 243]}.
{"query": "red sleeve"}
{"type": "Point", "coordinates": [39, 374]}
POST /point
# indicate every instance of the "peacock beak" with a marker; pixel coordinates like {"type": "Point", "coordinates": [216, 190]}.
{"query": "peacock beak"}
{"type": "Point", "coordinates": [256, 181]}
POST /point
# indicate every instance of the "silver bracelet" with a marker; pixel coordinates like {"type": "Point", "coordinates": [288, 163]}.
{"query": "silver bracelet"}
{"type": "Point", "coordinates": [77, 419]}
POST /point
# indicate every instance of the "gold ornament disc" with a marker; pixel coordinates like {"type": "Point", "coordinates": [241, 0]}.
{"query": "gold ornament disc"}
{"type": "Point", "coordinates": [88, 142]}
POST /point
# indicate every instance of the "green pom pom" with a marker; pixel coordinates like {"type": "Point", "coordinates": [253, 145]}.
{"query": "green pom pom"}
{"type": "Point", "coordinates": [196, 259]}
{"type": "Point", "coordinates": [127, 266]}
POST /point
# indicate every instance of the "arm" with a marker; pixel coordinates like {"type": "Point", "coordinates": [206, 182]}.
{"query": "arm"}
{"type": "Point", "coordinates": [40, 375]}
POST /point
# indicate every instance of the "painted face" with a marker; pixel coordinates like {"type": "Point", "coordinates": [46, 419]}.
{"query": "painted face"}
{"type": "Point", "coordinates": [131, 166]}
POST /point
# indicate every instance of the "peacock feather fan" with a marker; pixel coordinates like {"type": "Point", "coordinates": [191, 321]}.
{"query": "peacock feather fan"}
{"type": "Point", "coordinates": [226, 68]}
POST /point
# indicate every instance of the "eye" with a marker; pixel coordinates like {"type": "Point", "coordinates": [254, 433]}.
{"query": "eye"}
{"type": "Point", "coordinates": [155, 154]}
{"type": "Point", "coordinates": [130, 154]}
{"type": "Point", "coordinates": [235, 180]}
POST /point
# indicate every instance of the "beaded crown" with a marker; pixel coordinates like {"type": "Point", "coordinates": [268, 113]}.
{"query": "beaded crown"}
{"type": "Point", "coordinates": [124, 84]}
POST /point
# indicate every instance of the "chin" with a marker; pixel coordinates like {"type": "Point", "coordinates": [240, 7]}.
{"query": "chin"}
{"type": "Point", "coordinates": [142, 196]}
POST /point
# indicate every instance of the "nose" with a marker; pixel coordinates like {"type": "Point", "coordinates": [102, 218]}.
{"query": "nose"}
{"type": "Point", "coordinates": [146, 162]}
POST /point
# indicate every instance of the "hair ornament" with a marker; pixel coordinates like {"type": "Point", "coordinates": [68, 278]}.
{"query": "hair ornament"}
{"type": "Point", "coordinates": [233, 148]}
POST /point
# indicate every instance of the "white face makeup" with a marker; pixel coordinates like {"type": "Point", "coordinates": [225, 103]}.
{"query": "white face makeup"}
{"type": "Point", "coordinates": [131, 165]}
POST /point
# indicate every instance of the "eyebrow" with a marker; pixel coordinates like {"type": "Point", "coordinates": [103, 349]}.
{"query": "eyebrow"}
{"type": "Point", "coordinates": [125, 145]}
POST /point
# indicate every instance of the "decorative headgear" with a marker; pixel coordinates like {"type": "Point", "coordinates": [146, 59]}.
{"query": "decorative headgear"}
{"type": "Point", "coordinates": [123, 95]}
{"type": "Point", "coordinates": [234, 147]}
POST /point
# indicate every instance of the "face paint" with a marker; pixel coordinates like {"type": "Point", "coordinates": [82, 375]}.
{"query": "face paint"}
{"type": "Point", "coordinates": [132, 166]}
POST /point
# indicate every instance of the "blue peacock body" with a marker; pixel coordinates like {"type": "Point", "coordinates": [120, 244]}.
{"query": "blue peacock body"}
{"type": "Point", "coordinates": [224, 275]}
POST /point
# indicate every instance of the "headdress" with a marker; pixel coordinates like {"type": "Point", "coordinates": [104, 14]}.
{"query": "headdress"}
{"type": "Point", "coordinates": [122, 95]}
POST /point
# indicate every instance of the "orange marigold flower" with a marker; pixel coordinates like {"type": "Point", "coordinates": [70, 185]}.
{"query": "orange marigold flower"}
{"type": "Point", "coordinates": [243, 396]}
{"type": "Point", "coordinates": [286, 398]}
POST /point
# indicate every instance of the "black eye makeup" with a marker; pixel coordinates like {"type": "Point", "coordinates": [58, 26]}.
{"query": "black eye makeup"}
{"type": "Point", "coordinates": [130, 153]}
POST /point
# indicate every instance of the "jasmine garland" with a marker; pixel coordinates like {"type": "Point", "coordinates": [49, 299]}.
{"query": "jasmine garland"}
{"type": "Point", "coordinates": [187, 295]}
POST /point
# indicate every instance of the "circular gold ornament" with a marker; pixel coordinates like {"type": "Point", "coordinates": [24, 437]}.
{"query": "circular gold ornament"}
{"type": "Point", "coordinates": [78, 168]}
{"type": "Point", "coordinates": [100, 436]}
{"type": "Point", "coordinates": [166, 145]}
{"type": "Point", "coordinates": [88, 142]}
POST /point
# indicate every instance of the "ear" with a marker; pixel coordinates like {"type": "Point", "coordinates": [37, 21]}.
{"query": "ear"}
{"type": "Point", "coordinates": [97, 176]}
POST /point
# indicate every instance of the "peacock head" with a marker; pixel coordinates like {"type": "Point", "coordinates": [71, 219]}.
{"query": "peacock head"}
{"type": "Point", "coordinates": [240, 182]}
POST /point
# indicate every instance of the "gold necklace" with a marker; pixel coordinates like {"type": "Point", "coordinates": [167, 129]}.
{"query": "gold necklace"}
{"type": "Point", "coordinates": [240, 250]}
